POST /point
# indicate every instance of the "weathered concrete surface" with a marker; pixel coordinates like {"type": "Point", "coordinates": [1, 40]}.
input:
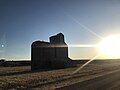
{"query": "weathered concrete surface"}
{"type": "Point", "coordinates": [53, 54]}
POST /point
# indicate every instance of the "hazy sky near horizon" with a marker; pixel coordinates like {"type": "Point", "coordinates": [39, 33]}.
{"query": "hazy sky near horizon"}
{"type": "Point", "coordinates": [83, 22]}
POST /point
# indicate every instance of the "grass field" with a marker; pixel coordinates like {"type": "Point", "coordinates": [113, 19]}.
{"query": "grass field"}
{"type": "Point", "coordinates": [21, 77]}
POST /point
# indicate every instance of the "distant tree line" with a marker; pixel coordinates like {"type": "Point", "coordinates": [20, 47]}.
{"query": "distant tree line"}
{"type": "Point", "coordinates": [4, 63]}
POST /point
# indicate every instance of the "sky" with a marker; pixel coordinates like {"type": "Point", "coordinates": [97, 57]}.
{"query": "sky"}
{"type": "Point", "coordinates": [83, 22]}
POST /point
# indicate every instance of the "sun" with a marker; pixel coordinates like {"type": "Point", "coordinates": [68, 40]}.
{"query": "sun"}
{"type": "Point", "coordinates": [110, 46]}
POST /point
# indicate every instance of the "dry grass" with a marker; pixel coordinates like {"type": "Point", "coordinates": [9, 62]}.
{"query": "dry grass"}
{"type": "Point", "coordinates": [23, 78]}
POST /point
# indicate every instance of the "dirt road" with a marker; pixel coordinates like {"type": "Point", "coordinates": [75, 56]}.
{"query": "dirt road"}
{"type": "Point", "coordinates": [106, 82]}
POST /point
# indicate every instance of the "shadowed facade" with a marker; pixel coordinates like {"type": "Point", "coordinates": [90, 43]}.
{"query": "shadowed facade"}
{"type": "Point", "coordinates": [53, 54]}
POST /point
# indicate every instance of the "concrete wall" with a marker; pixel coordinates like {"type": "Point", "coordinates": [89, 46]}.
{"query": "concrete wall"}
{"type": "Point", "coordinates": [53, 54]}
{"type": "Point", "coordinates": [41, 54]}
{"type": "Point", "coordinates": [61, 48]}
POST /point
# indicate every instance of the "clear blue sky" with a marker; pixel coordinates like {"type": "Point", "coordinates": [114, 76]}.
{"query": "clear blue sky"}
{"type": "Point", "coordinates": [81, 21]}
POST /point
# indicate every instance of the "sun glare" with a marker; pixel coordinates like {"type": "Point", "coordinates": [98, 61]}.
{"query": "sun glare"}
{"type": "Point", "coordinates": [110, 46]}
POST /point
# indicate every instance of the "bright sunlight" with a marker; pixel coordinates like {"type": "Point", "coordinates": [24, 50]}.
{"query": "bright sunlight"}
{"type": "Point", "coordinates": [110, 46]}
